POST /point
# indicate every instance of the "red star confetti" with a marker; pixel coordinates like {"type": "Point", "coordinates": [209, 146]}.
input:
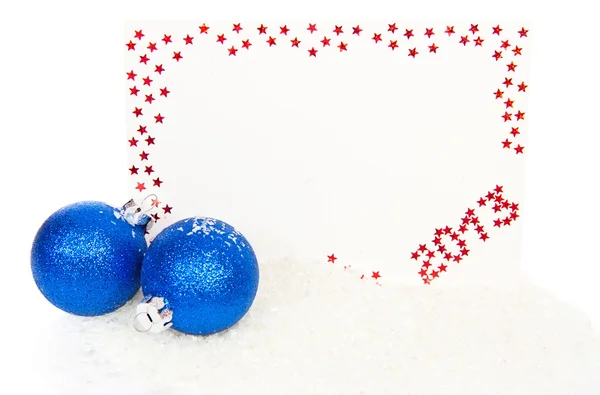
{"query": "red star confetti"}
{"type": "Point", "coordinates": [471, 222]}
{"type": "Point", "coordinates": [523, 32]}
{"type": "Point", "coordinates": [137, 112]}
{"type": "Point", "coordinates": [522, 87]}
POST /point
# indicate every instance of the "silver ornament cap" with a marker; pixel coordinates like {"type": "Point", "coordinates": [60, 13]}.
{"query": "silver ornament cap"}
{"type": "Point", "coordinates": [137, 214]}
{"type": "Point", "coordinates": [152, 315]}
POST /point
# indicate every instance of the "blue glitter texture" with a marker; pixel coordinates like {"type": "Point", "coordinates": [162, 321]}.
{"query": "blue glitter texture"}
{"type": "Point", "coordinates": [206, 271]}
{"type": "Point", "coordinates": [86, 259]}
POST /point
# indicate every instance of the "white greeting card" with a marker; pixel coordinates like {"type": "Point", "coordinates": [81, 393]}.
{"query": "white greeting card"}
{"type": "Point", "coordinates": [390, 149]}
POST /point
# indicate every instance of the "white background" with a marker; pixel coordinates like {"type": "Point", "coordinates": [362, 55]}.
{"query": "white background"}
{"type": "Point", "coordinates": [62, 117]}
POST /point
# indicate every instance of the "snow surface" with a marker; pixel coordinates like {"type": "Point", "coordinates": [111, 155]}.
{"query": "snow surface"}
{"type": "Point", "coordinates": [314, 329]}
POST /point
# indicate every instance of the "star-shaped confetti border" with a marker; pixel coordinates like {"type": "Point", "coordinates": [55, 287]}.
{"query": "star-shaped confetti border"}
{"type": "Point", "coordinates": [449, 245]}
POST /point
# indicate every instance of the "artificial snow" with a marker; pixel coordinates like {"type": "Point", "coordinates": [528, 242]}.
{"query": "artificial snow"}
{"type": "Point", "coordinates": [316, 329]}
{"type": "Point", "coordinates": [207, 226]}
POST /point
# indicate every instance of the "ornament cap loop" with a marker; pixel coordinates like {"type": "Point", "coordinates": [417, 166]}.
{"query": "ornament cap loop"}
{"type": "Point", "coordinates": [136, 215]}
{"type": "Point", "coordinates": [152, 315]}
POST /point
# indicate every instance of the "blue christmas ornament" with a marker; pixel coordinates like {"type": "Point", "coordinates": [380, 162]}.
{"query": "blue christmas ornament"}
{"type": "Point", "coordinates": [200, 275]}
{"type": "Point", "coordinates": [86, 258]}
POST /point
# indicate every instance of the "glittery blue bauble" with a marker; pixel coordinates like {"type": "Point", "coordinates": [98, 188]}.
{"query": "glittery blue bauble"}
{"type": "Point", "coordinates": [86, 259]}
{"type": "Point", "coordinates": [205, 270]}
